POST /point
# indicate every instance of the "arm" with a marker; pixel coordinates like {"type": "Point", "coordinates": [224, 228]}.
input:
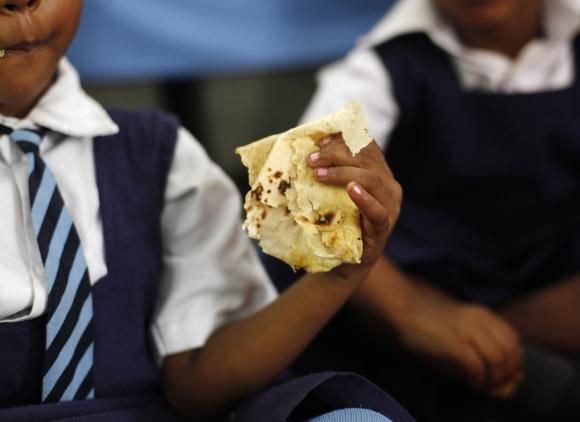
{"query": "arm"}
{"type": "Point", "coordinates": [462, 341]}
{"type": "Point", "coordinates": [550, 317]}
{"type": "Point", "coordinates": [247, 354]}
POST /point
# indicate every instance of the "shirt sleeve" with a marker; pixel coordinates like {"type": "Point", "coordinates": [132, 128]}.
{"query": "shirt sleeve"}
{"type": "Point", "coordinates": [360, 76]}
{"type": "Point", "coordinates": [211, 272]}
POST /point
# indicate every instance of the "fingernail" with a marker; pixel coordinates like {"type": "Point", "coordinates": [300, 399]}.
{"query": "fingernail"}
{"type": "Point", "coordinates": [322, 172]}
{"type": "Point", "coordinates": [356, 189]}
{"type": "Point", "coordinates": [326, 140]}
{"type": "Point", "coordinates": [314, 157]}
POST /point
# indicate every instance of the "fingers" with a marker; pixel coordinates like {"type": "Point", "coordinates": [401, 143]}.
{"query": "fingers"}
{"type": "Point", "coordinates": [494, 360]}
{"type": "Point", "coordinates": [472, 367]}
{"type": "Point", "coordinates": [376, 216]}
{"type": "Point", "coordinates": [498, 347]}
{"type": "Point", "coordinates": [334, 164]}
{"type": "Point", "coordinates": [507, 341]}
{"type": "Point", "coordinates": [335, 153]}
{"type": "Point", "coordinates": [373, 182]}
{"type": "Point", "coordinates": [369, 184]}
{"type": "Point", "coordinates": [506, 390]}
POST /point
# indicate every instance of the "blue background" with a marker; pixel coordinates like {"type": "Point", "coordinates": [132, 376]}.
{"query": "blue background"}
{"type": "Point", "coordinates": [139, 39]}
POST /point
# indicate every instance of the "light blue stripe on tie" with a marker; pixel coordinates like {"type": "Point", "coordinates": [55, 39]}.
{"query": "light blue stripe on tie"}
{"type": "Point", "coordinates": [67, 351]}
{"type": "Point", "coordinates": [42, 200]}
{"type": "Point", "coordinates": [84, 366]}
{"type": "Point", "coordinates": [91, 394]}
{"type": "Point", "coordinates": [56, 247]}
{"type": "Point", "coordinates": [20, 135]}
{"type": "Point", "coordinates": [31, 163]}
{"type": "Point", "coordinates": [74, 279]}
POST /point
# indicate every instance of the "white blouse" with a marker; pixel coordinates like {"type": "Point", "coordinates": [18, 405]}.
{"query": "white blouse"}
{"type": "Point", "coordinates": [544, 64]}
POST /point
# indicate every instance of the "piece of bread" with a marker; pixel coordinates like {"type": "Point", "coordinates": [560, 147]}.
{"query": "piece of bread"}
{"type": "Point", "coordinates": [305, 223]}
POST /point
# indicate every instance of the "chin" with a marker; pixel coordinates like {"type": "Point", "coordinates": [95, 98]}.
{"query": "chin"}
{"type": "Point", "coordinates": [481, 14]}
{"type": "Point", "coordinates": [19, 94]}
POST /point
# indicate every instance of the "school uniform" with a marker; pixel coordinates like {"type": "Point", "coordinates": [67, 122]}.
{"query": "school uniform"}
{"type": "Point", "coordinates": [486, 148]}
{"type": "Point", "coordinates": [159, 225]}
{"type": "Point", "coordinates": [166, 257]}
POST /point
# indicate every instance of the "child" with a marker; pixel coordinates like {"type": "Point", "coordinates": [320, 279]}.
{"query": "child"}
{"type": "Point", "coordinates": [115, 226]}
{"type": "Point", "coordinates": [475, 104]}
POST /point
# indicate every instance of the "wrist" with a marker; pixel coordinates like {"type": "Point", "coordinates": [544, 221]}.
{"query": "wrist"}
{"type": "Point", "coordinates": [344, 279]}
{"type": "Point", "coordinates": [352, 274]}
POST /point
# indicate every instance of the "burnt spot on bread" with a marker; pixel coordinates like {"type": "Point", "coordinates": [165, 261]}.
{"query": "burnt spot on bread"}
{"type": "Point", "coordinates": [257, 192]}
{"type": "Point", "coordinates": [278, 174]}
{"type": "Point", "coordinates": [264, 214]}
{"type": "Point", "coordinates": [283, 187]}
{"type": "Point", "coordinates": [333, 240]}
{"type": "Point", "coordinates": [286, 211]}
{"type": "Point", "coordinates": [325, 219]}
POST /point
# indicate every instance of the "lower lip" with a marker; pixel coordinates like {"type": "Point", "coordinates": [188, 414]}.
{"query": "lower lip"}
{"type": "Point", "coordinates": [19, 52]}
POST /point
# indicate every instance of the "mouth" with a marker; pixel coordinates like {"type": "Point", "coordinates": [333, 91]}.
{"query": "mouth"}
{"type": "Point", "coordinates": [23, 48]}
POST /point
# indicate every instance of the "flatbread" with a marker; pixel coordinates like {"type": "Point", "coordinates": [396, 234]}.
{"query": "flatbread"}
{"type": "Point", "coordinates": [307, 224]}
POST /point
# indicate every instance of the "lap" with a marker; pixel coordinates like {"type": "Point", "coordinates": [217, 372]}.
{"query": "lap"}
{"type": "Point", "coordinates": [551, 389]}
{"type": "Point", "coordinates": [316, 394]}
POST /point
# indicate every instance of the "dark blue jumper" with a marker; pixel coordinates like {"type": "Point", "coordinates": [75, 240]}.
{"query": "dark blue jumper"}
{"type": "Point", "coordinates": [131, 170]}
{"type": "Point", "coordinates": [491, 181]}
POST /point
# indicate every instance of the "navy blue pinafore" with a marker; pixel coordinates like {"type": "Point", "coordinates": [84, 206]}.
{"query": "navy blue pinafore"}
{"type": "Point", "coordinates": [491, 181]}
{"type": "Point", "coordinates": [131, 172]}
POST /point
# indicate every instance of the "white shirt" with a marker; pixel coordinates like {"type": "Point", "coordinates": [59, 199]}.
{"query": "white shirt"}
{"type": "Point", "coordinates": [542, 65]}
{"type": "Point", "coordinates": [211, 274]}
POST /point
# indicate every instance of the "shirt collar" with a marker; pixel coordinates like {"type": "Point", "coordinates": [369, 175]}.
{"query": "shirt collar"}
{"type": "Point", "coordinates": [66, 108]}
{"type": "Point", "coordinates": [562, 21]}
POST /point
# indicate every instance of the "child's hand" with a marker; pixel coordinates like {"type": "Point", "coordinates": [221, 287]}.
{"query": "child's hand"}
{"type": "Point", "coordinates": [467, 342]}
{"type": "Point", "coordinates": [371, 186]}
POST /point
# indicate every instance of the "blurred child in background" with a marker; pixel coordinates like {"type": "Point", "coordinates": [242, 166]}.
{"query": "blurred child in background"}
{"type": "Point", "coordinates": [476, 104]}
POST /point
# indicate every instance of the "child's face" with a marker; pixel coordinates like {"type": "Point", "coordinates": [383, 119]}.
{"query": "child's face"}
{"type": "Point", "coordinates": [482, 15]}
{"type": "Point", "coordinates": [35, 35]}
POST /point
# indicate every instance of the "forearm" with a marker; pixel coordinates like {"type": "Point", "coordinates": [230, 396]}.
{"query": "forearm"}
{"type": "Point", "coordinates": [550, 317]}
{"type": "Point", "coordinates": [389, 296]}
{"type": "Point", "coordinates": [244, 356]}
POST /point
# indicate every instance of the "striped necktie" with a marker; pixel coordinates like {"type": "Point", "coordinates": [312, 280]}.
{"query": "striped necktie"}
{"type": "Point", "coordinates": [68, 359]}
